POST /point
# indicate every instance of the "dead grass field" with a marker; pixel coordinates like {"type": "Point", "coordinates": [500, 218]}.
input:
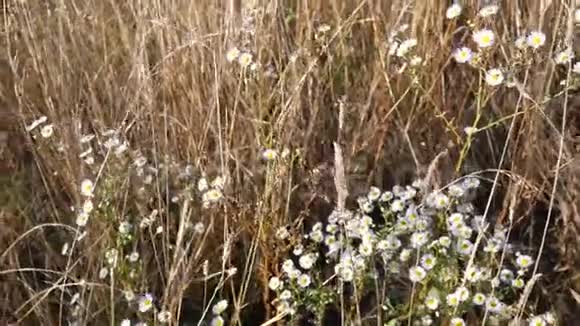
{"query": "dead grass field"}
{"type": "Point", "coordinates": [156, 72]}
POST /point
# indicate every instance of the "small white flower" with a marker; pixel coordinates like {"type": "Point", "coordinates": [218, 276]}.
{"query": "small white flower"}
{"type": "Point", "coordinates": [245, 59]}
{"type": "Point", "coordinates": [432, 302]}
{"type": "Point", "coordinates": [125, 322]}
{"type": "Point", "coordinates": [129, 295]}
{"type": "Point", "coordinates": [202, 185]}
{"type": "Point", "coordinates": [397, 205]}
{"type": "Point", "coordinates": [232, 54]}
{"type": "Point", "coordinates": [576, 68]}
{"type": "Point", "coordinates": [536, 39]}
{"type": "Point", "coordinates": [405, 255]}
{"type": "Point", "coordinates": [82, 219]}
{"type": "Point", "coordinates": [406, 46]}
{"type": "Point", "coordinates": [220, 307]}
{"type": "Point", "coordinates": [464, 247]}
{"type": "Point", "coordinates": [462, 293]}
{"type": "Point", "coordinates": [428, 261]}
{"type": "Point", "coordinates": [521, 42]}
{"type": "Point", "coordinates": [494, 305]}
{"type": "Point", "coordinates": [217, 321]}
{"type": "Point", "coordinates": [103, 272]}
{"type": "Point", "coordinates": [307, 261]}
{"type": "Point", "coordinates": [87, 188]}
{"type": "Point", "coordinates": [484, 38]}
{"type": "Point", "coordinates": [518, 283]}
{"type": "Point", "coordinates": [303, 280]}
{"type": "Point", "coordinates": [47, 131]}
{"type": "Point", "coordinates": [415, 61]}
{"type": "Point", "coordinates": [453, 299]}
{"type": "Point", "coordinates": [282, 233]}
{"type": "Point", "coordinates": [506, 276]}
{"type": "Point", "coordinates": [374, 193]}
{"type": "Point", "coordinates": [564, 56]}
{"type": "Point", "coordinates": [453, 11]}
{"type": "Point", "coordinates": [463, 55]}
{"type": "Point", "coordinates": [286, 295]}
{"type": "Point", "coordinates": [524, 261]}
{"type": "Point", "coordinates": [470, 130]}
{"type": "Point", "coordinates": [419, 239]}
{"type": "Point", "coordinates": [199, 228]}
{"type": "Point", "coordinates": [494, 77]}
{"type": "Point", "coordinates": [164, 316]}
{"type": "Point", "coordinates": [537, 321]}
{"type": "Point", "coordinates": [488, 10]}
{"type": "Point", "coordinates": [124, 227]}
{"type": "Point", "coordinates": [111, 256]}
{"type": "Point", "coordinates": [274, 283]}
{"type": "Point", "coordinates": [212, 196]}
{"type": "Point", "coordinates": [457, 322]}
{"type": "Point", "coordinates": [417, 274]}
{"type": "Point", "coordinates": [269, 155]}
{"type": "Point", "coordinates": [134, 257]}
{"type": "Point", "coordinates": [479, 299]}
{"type": "Point", "coordinates": [366, 249]}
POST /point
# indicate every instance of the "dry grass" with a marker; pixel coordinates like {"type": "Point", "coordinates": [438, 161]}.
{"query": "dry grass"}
{"type": "Point", "coordinates": [157, 71]}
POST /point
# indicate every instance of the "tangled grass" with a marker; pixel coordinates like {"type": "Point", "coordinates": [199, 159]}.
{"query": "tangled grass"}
{"type": "Point", "coordinates": [227, 162]}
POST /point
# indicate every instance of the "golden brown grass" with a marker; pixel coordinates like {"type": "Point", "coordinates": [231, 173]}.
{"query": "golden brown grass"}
{"type": "Point", "coordinates": [157, 70]}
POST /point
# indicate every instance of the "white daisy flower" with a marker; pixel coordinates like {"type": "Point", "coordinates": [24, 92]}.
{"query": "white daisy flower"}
{"type": "Point", "coordinates": [537, 321]}
{"type": "Point", "coordinates": [274, 283]}
{"type": "Point", "coordinates": [521, 42]}
{"type": "Point", "coordinates": [564, 56]}
{"type": "Point", "coordinates": [479, 299]}
{"type": "Point", "coordinates": [145, 302]}
{"type": "Point", "coordinates": [303, 281]}
{"type": "Point", "coordinates": [286, 295]}
{"type": "Point", "coordinates": [576, 68]}
{"type": "Point", "coordinates": [212, 196]}
{"type": "Point", "coordinates": [484, 38]}
{"type": "Point", "coordinates": [417, 274]}
{"type": "Point", "coordinates": [217, 321]}
{"type": "Point", "coordinates": [453, 300]}
{"type": "Point", "coordinates": [164, 316]}
{"type": "Point", "coordinates": [494, 77]}
{"type": "Point", "coordinates": [220, 307]}
{"type": "Point", "coordinates": [462, 293]}
{"type": "Point", "coordinates": [494, 305]}
{"type": "Point", "coordinates": [82, 219]}
{"type": "Point", "coordinates": [47, 131]}
{"type": "Point", "coordinates": [245, 59]}
{"type": "Point", "coordinates": [524, 261]}
{"type": "Point", "coordinates": [432, 302]}
{"type": "Point", "coordinates": [374, 193]}
{"type": "Point", "coordinates": [134, 257]}
{"type": "Point", "coordinates": [518, 283]}
{"type": "Point", "coordinates": [428, 261]}
{"type": "Point", "coordinates": [125, 322]}
{"type": "Point", "coordinates": [457, 322]}
{"type": "Point", "coordinates": [269, 155]}
{"type": "Point", "coordinates": [87, 188]}
{"type": "Point", "coordinates": [453, 11]}
{"type": "Point", "coordinates": [488, 10]}
{"type": "Point", "coordinates": [536, 39]}
{"type": "Point", "coordinates": [103, 272]}
{"type": "Point", "coordinates": [406, 46]}
{"type": "Point", "coordinates": [129, 295]}
{"type": "Point", "coordinates": [233, 54]}
{"type": "Point", "coordinates": [307, 261]}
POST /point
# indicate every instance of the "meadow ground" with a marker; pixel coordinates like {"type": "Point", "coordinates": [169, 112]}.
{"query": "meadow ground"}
{"type": "Point", "coordinates": [356, 162]}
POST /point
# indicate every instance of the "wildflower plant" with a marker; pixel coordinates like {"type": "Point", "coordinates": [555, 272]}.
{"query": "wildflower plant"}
{"type": "Point", "coordinates": [414, 245]}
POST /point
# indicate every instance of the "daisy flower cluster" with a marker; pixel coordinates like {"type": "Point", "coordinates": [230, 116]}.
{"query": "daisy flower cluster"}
{"type": "Point", "coordinates": [404, 236]}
